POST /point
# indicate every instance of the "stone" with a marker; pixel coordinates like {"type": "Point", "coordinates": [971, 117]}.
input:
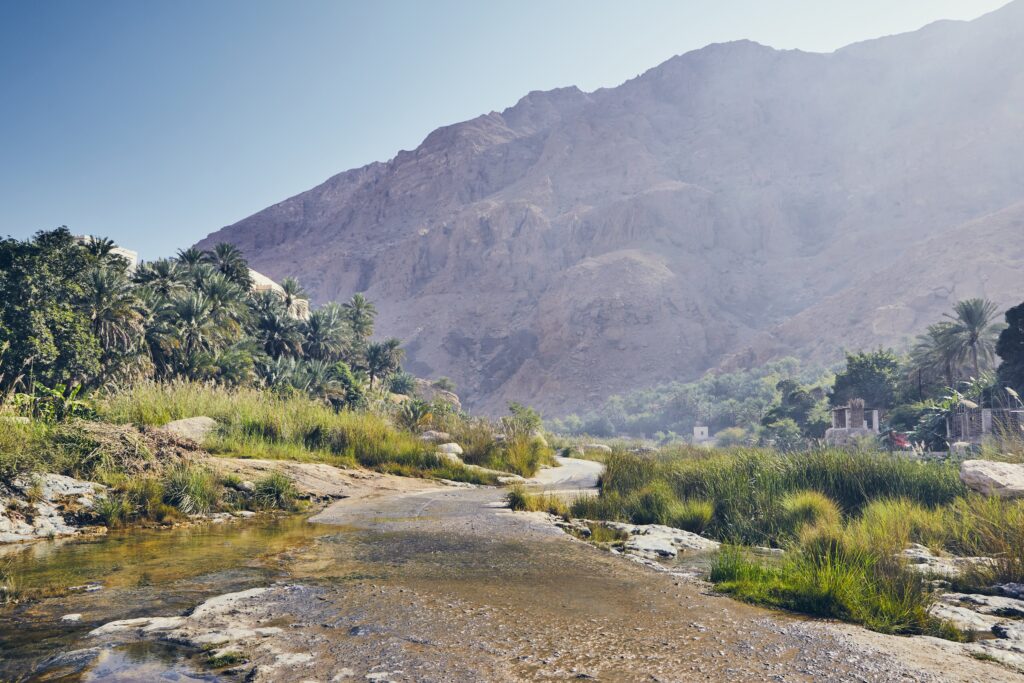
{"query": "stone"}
{"type": "Point", "coordinates": [996, 605]}
{"type": "Point", "coordinates": [450, 448]}
{"type": "Point", "coordinates": [966, 620]}
{"type": "Point", "coordinates": [432, 436]}
{"type": "Point", "coordinates": [191, 428]}
{"type": "Point", "coordinates": [656, 541]}
{"type": "Point", "coordinates": [1002, 479]}
{"type": "Point", "coordinates": [71, 618]}
{"type": "Point", "coordinates": [43, 506]}
{"type": "Point", "coordinates": [920, 558]}
{"type": "Point", "coordinates": [596, 448]}
{"type": "Point", "coordinates": [1014, 590]}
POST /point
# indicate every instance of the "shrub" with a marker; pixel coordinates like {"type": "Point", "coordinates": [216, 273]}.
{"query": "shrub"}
{"type": "Point", "coordinates": [654, 504]}
{"type": "Point", "coordinates": [191, 489]}
{"type": "Point", "coordinates": [113, 510]}
{"type": "Point", "coordinates": [807, 509]}
{"type": "Point", "coordinates": [275, 491]}
{"type": "Point", "coordinates": [693, 515]}
{"type": "Point", "coordinates": [519, 499]}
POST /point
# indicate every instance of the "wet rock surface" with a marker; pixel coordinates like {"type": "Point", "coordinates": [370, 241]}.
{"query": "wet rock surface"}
{"type": "Point", "coordinates": [35, 507]}
{"type": "Point", "coordinates": [445, 585]}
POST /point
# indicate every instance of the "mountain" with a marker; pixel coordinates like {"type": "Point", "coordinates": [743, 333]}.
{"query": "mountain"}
{"type": "Point", "coordinates": [732, 204]}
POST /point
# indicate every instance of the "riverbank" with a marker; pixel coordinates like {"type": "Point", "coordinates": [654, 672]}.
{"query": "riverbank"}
{"type": "Point", "coordinates": [448, 584]}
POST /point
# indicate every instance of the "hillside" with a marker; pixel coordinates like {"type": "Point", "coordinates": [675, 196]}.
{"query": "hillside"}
{"type": "Point", "coordinates": [732, 204]}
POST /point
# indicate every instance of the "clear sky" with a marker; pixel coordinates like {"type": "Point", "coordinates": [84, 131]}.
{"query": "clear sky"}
{"type": "Point", "coordinates": [155, 122]}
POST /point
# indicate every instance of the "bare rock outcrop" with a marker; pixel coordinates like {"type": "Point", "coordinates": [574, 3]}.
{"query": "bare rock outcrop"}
{"type": "Point", "coordinates": [714, 211]}
{"type": "Point", "coordinates": [1001, 479]}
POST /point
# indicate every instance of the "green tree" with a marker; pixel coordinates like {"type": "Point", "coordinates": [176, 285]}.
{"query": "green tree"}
{"type": "Point", "coordinates": [383, 358]}
{"type": "Point", "coordinates": [326, 334]}
{"type": "Point", "coordinates": [973, 331]}
{"type": "Point", "coordinates": [229, 261]}
{"type": "Point", "coordinates": [360, 314]}
{"type": "Point", "coordinates": [871, 375]}
{"type": "Point", "coordinates": [292, 294]}
{"type": "Point", "coordinates": [47, 332]}
{"type": "Point", "coordinates": [1010, 348]}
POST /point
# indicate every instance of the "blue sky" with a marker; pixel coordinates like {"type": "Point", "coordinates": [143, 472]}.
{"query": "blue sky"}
{"type": "Point", "coordinates": [157, 122]}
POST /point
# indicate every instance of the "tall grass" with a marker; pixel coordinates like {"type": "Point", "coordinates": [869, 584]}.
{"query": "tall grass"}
{"type": "Point", "coordinates": [260, 424]}
{"type": "Point", "coordinates": [831, 580]}
{"type": "Point", "coordinates": [750, 487]}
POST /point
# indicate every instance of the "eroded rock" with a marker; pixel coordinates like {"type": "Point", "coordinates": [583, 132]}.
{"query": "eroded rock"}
{"type": "Point", "coordinates": [1002, 479]}
{"type": "Point", "coordinates": [44, 506]}
{"type": "Point", "coordinates": [192, 428]}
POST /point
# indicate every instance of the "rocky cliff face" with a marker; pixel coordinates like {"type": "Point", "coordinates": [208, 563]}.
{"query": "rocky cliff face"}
{"type": "Point", "coordinates": [731, 204]}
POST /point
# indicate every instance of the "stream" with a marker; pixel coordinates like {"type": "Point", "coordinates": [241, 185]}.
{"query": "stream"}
{"type": "Point", "coordinates": [132, 573]}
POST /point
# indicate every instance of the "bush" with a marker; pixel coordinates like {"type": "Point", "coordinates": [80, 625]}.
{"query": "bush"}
{"type": "Point", "coordinates": [521, 500]}
{"type": "Point", "coordinates": [653, 504]}
{"type": "Point", "coordinates": [193, 490]}
{"type": "Point", "coordinates": [807, 509]}
{"type": "Point", "coordinates": [275, 492]}
{"type": "Point", "coordinates": [833, 581]}
{"type": "Point", "coordinates": [693, 515]}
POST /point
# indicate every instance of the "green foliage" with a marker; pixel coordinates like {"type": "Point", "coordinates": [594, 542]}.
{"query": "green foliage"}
{"type": "Point", "coordinates": [444, 384]}
{"type": "Point", "coordinates": [47, 333]}
{"type": "Point", "coordinates": [71, 315]}
{"type": "Point", "coordinates": [402, 383]}
{"type": "Point", "coordinates": [803, 509]}
{"type": "Point", "coordinates": [275, 492]}
{"type": "Point", "coordinates": [872, 376]}
{"type": "Point", "coordinates": [749, 486]}
{"type": "Point", "coordinates": [833, 581]}
{"type": "Point", "coordinates": [1010, 348]}
{"type": "Point", "coordinates": [719, 400]}
{"type": "Point", "coordinates": [193, 490]}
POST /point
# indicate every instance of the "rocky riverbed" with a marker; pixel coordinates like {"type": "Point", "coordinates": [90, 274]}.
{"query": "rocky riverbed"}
{"type": "Point", "coordinates": [444, 584]}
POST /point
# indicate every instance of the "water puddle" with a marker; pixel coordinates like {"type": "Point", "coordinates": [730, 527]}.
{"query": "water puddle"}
{"type": "Point", "coordinates": [129, 574]}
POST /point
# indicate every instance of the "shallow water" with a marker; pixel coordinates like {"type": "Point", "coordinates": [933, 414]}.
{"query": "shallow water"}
{"type": "Point", "coordinates": [139, 572]}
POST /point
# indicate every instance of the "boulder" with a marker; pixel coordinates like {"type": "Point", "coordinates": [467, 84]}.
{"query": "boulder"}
{"type": "Point", "coordinates": [920, 558]}
{"type": "Point", "coordinates": [191, 428]}
{"type": "Point", "coordinates": [426, 390]}
{"type": "Point", "coordinates": [966, 620]}
{"type": "Point", "coordinates": [450, 448]}
{"type": "Point", "coordinates": [995, 605]}
{"type": "Point", "coordinates": [596, 448]}
{"type": "Point", "coordinates": [432, 436]}
{"type": "Point", "coordinates": [43, 506]}
{"type": "Point", "coordinates": [656, 541]}
{"type": "Point", "coordinates": [1002, 479]}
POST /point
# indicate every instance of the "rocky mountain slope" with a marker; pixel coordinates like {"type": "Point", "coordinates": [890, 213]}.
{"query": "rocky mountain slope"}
{"type": "Point", "coordinates": [731, 204]}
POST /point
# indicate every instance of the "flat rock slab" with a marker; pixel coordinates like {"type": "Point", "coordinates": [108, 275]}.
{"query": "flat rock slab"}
{"type": "Point", "coordinates": [191, 428]}
{"type": "Point", "coordinates": [987, 604]}
{"type": "Point", "coordinates": [43, 506]}
{"type": "Point", "coordinates": [1002, 479]}
{"type": "Point", "coordinates": [657, 541]}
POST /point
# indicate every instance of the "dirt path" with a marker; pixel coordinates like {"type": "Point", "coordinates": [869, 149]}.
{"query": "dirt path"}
{"type": "Point", "coordinates": [442, 584]}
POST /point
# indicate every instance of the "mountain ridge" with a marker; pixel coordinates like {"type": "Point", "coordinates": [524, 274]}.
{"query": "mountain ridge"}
{"type": "Point", "coordinates": [579, 244]}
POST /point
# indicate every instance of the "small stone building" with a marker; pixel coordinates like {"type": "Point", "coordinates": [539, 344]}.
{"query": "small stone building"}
{"type": "Point", "coordinates": [852, 422]}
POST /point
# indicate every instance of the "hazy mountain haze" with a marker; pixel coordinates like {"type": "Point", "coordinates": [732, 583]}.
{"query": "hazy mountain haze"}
{"type": "Point", "coordinates": [578, 244]}
{"type": "Point", "coordinates": [157, 123]}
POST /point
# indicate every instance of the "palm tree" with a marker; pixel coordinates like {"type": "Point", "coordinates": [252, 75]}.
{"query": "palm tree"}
{"type": "Point", "coordinates": [279, 334]}
{"type": "Point", "coordinates": [194, 326]}
{"type": "Point", "coordinates": [360, 313]}
{"type": "Point", "coordinates": [190, 258]}
{"type": "Point", "coordinates": [383, 358]}
{"type": "Point", "coordinates": [294, 296]}
{"type": "Point", "coordinates": [934, 355]}
{"type": "Point", "coordinates": [158, 332]}
{"type": "Point", "coordinates": [113, 308]}
{"type": "Point", "coordinates": [164, 276]}
{"type": "Point", "coordinates": [325, 333]}
{"type": "Point", "coordinates": [974, 330]}
{"type": "Point", "coordinates": [228, 259]}
{"type": "Point", "coordinates": [227, 302]}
